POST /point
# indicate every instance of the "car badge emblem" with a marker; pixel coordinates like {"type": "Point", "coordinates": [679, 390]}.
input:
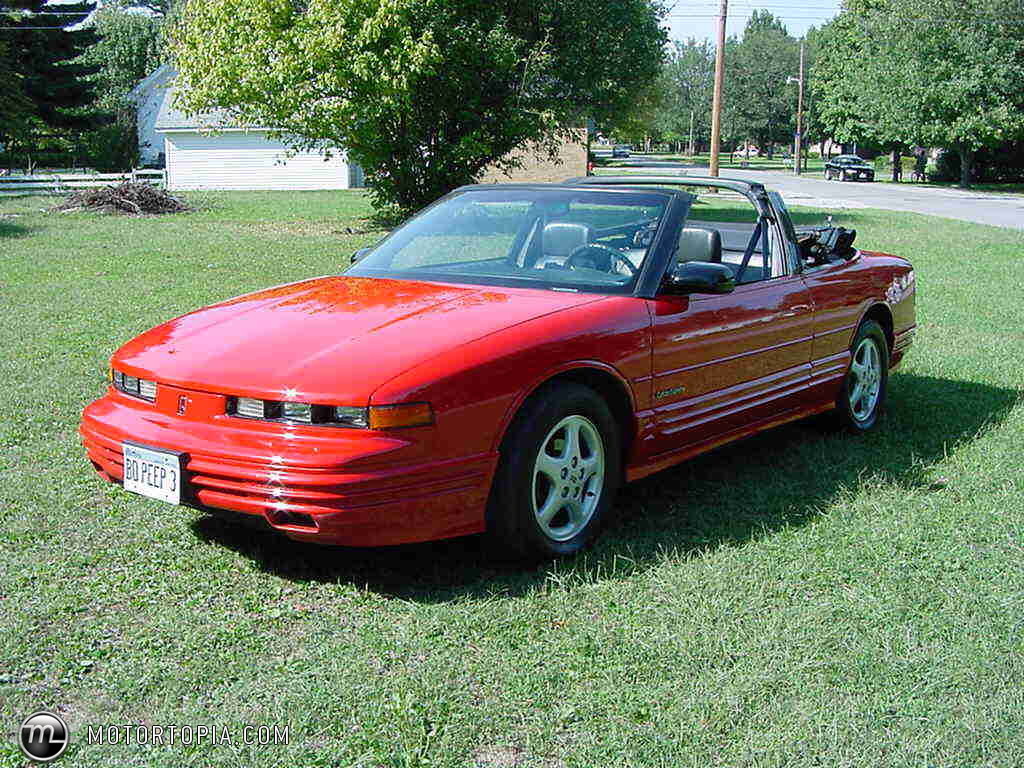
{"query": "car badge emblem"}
{"type": "Point", "coordinates": [183, 401]}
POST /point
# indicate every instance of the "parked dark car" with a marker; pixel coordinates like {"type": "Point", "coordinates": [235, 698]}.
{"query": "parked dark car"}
{"type": "Point", "coordinates": [849, 168]}
{"type": "Point", "coordinates": [621, 150]}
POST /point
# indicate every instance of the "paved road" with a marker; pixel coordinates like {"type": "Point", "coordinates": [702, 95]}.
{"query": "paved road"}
{"type": "Point", "coordinates": [813, 190]}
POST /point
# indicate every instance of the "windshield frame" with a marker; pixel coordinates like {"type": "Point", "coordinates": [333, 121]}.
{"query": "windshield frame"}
{"type": "Point", "coordinates": [677, 204]}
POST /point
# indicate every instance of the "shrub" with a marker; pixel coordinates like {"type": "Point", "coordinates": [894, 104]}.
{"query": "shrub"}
{"type": "Point", "coordinates": [946, 167]}
{"type": "Point", "coordinates": [997, 165]}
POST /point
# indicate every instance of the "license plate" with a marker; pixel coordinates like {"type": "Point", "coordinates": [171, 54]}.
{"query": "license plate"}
{"type": "Point", "coordinates": [156, 474]}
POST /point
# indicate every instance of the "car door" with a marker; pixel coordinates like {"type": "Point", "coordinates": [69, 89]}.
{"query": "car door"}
{"type": "Point", "coordinates": [723, 363]}
{"type": "Point", "coordinates": [838, 291]}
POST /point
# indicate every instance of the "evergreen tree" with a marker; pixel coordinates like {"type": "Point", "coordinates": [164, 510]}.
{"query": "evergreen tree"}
{"type": "Point", "coordinates": [43, 44]}
{"type": "Point", "coordinates": [15, 107]}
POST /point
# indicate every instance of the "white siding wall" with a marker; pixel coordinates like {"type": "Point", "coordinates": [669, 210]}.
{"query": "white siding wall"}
{"type": "Point", "coordinates": [247, 160]}
{"type": "Point", "coordinates": [151, 143]}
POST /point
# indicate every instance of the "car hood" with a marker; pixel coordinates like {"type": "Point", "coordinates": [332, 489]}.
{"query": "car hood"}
{"type": "Point", "coordinates": [331, 340]}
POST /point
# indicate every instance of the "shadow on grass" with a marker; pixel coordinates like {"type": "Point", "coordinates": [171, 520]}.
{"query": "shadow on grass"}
{"type": "Point", "coordinates": [12, 229]}
{"type": "Point", "coordinates": [779, 479]}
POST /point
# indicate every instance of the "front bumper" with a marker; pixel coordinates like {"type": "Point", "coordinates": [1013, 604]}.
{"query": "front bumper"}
{"type": "Point", "coordinates": [326, 485]}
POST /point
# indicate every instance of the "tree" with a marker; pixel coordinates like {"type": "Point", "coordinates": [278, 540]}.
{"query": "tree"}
{"type": "Point", "coordinates": [965, 77]}
{"type": "Point", "coordinates": [933, 72]}
{"type": "Point", "coordinates": [639, 124]}
{"type": "Point", "coordinates": [128, 47]}
{"type": "Point", "coordinates": [814, 129]}
{"type": "Point", "coordinates": [424, 94]}
{"type": "Point", "coordinates": [43, 46]}
{"type": "Point", "coordinates": [15, 107]}
{"type": "Point", "coordinates": [760, 104]}
{"type": "Point", "coordinates": [686, 84]}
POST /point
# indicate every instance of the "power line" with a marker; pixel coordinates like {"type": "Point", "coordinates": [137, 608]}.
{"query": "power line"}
{"type": "Point", "coordinates": [1013, 20]}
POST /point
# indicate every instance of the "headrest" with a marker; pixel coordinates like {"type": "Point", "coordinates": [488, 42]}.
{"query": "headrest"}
{"type": "Point", "coordinates": [697, 244]}
{"type": "Point", "coordinates": [563, 237]}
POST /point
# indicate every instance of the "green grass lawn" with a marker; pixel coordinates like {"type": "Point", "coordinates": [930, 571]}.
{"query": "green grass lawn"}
{"type": "Point", "coordinates": [1002, 189]}
{"type": "Point", "coordinates": [804, 598]}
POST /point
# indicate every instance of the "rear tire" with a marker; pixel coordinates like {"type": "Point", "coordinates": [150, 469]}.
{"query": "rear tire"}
{"type": "Point", "coordinates": [864, 389]}
{"type": "Point", "coordinates": [560, 467]}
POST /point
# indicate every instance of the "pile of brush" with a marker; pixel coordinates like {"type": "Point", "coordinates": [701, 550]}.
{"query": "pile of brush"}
{"type": "Point", "coordinates": [132, 198]}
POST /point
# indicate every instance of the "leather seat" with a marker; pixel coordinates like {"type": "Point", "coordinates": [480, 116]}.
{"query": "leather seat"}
{"type": "Point", "coordinates": [699, 244]}
{"type": "Point", "coordinates": [563, 237]}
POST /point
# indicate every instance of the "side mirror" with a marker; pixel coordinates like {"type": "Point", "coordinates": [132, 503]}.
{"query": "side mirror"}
{"type": "Point", "coordinates": [360, 254]}
{"type": "Point", "coordinates": [699, 277]}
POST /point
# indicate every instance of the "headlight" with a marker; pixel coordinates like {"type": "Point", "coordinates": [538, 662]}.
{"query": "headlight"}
{"type": "Point", "coordinates": [297, 412]}
{"type": "Point", "coordinates": [354, 417]}
{"type": "Point", "coordinates": [250, 408]}
{"type": "Point", "coordinates": [134, 386]}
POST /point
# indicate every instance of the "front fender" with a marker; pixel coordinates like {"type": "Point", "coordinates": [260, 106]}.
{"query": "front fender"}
{"type": "Point", "coordinates": [476, 389]}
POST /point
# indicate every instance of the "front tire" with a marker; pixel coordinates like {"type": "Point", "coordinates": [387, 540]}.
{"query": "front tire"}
{"type": "Point", "coordinates": [867, 379]}
{"type": "Point", "coordinates": [560, 468]}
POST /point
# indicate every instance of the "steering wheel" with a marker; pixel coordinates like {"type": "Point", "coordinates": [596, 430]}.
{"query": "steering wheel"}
{"type": "Point", "coordinates": [600, 252]}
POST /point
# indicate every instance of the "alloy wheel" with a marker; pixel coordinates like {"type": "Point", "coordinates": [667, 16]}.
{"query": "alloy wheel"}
{"type": "Point", "coordinates": [866, 382]}
{"type": "Point", "coordinates": [568, 477]}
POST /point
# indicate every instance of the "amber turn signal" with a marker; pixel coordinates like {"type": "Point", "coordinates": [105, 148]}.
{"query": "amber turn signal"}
{"type": "Point", "coordinates": [399, 416]}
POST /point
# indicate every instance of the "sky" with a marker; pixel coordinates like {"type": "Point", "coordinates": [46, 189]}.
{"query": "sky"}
{"type": "Point", "coordinates": [699, 18]}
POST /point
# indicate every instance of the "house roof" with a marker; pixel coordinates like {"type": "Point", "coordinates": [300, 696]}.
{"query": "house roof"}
{"type": "Point", "coordinates": [171, 118]}
{"type": "Point", "coordinates": [159, 76]}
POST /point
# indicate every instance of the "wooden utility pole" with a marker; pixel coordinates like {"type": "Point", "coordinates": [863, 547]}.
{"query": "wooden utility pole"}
{"type": "Point", "coordinates": [798, 156]}
{"type": "Point", "coordinates": [716, 106]}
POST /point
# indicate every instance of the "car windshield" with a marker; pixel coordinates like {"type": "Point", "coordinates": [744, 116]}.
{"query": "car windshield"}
{"type": "Point", "coordinates": [561, 239]}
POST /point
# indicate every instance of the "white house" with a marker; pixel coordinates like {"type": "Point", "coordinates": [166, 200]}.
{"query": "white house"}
{"type": "Point", "coordinates": [148, 97]}
{"type": "Point", "coordinates": [210, 151]}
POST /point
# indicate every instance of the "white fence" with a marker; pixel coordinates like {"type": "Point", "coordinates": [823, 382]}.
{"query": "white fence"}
{"type": "Point", "coordinates": [63, 183]}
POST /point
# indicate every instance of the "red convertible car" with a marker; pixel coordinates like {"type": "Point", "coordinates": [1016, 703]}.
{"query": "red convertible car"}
{"type": "Point", "coordinates": [503, 362]}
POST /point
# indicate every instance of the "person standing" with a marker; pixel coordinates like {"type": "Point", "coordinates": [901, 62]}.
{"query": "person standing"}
{"type": "Point", "coordinates": [920, 163]}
